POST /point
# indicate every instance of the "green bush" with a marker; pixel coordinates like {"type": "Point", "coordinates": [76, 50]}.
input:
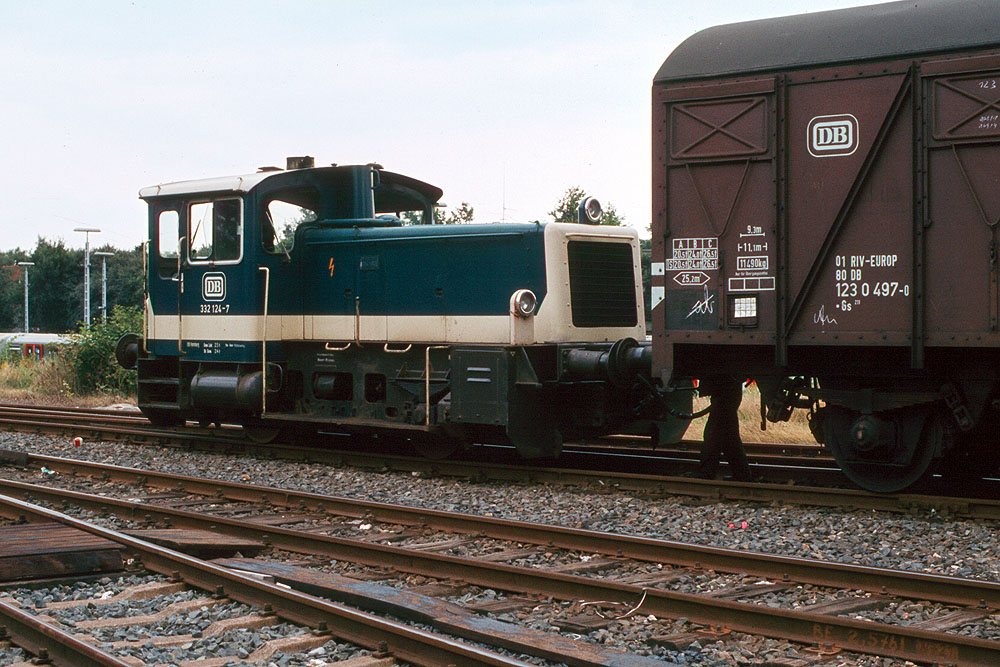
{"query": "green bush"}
{"type": "Point", "coordinates": [91, 354]}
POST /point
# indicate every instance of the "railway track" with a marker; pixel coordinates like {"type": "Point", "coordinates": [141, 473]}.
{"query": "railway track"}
{"type": "Point", "coordinates": [97, 422]}
{"type": "Point", "coordinates": [61, 642]}
{"type": "Point", "coordinates": [626, 574]}
{"type": "Point", "coordinates": [599, 471]}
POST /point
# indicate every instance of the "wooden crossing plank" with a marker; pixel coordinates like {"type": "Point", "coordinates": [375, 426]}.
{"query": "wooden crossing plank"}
{"type": "Point", "coordinates": [507, 605]}
{"type": "Point", "coordinates": [42, 550]}
{"type": "Point", "coordinates": [445, 616]}
{"type": "Point", "coordinates": [199, 543]}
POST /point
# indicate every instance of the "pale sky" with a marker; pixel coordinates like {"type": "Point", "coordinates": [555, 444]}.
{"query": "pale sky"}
{"type": "Point", "coordinates": [503, 105]}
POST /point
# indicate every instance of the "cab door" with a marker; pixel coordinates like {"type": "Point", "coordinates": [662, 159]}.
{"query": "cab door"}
{"type": "Point", "coordinates": [219, 294]}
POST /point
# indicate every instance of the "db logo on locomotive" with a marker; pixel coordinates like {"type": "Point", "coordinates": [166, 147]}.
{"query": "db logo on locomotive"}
{"type": "Point", "coordinates": [832, 136]}
{"type": "Point", "coordinates": [213, 287]}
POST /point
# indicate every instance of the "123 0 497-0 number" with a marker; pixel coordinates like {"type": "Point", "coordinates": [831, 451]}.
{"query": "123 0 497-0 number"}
{"type": "Point", "coordinates": [214, 308]}
{"type": "Point", "coordinates": [872, 289]}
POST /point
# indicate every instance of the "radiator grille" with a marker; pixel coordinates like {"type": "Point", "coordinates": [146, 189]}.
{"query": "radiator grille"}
{"type": "Point", "coordinates": [601, 284]}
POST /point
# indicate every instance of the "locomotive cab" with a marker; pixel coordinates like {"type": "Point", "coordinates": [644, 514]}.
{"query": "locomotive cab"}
{"type": "Point", "coordinates": [326, 297]}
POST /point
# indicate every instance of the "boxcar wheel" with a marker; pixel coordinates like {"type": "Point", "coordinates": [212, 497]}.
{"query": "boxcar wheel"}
{"type": "Point", "coordinates": [884, 453]}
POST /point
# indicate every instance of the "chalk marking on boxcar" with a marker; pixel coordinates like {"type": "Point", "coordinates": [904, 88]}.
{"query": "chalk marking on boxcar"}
{"type": "Point", "coordinates": [703, 306]}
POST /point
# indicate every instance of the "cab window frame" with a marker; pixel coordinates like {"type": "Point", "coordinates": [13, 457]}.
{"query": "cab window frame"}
{"type": "Point", "coordinates": [272, 246]}
{"type": "Point", "coordinates": [192, 259]}
{"type": "Point", "coordinates": [166, 265]}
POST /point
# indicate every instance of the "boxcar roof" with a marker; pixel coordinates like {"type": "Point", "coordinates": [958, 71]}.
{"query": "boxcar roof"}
{"type": "Point", "coordinates": [844, 35]}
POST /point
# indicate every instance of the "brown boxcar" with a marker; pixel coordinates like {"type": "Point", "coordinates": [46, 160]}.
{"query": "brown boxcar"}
{"type": "Point", "coordinates": [826, 200]}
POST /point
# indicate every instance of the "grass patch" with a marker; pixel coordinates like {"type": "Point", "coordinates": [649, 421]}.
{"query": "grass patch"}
{"type": "Point", "coordinates": [795, 430]}
{"type": "Point", "coordinates": [49, 381]}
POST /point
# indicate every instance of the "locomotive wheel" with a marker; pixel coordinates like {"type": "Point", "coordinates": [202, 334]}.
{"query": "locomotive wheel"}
{"type": "Point", "coordinates": [259, 432]}
{"type": "Point", "coordinates": [435, 447]}
{"type": "Point", "coordinates": [442, 442]}
{"type": "Point", "coordinates": [884, 453]}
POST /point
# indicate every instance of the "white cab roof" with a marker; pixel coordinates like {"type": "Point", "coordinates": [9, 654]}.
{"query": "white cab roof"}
{"type": "Point", "coordinates": [219, 184]}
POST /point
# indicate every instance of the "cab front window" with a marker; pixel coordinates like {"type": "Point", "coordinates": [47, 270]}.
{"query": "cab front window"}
{"type": "Point", "coordinates": [215, 231]}
{"type": "Point", "coordinates": [283, 212]}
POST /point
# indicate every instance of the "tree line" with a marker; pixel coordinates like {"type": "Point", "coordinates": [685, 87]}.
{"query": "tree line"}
{"type": "Point", "coordinates": [55, 285]}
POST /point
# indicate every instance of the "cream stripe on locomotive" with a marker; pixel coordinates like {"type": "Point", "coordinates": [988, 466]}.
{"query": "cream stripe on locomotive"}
{"type": "Point", "coordinates": [375, 328]}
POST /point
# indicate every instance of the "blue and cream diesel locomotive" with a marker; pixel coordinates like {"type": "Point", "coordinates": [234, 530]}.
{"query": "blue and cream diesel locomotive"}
{"type": "Point", "coordinates": [299, 297]}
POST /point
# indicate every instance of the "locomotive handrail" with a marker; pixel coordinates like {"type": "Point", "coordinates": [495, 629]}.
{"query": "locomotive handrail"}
{"type": "Point", "coordinates": [146, 306]}
{"type": "Point", "coordinates": [180, 291]}
{"type": "Point", "coordinates": [357, 320]}
{"type": "Point", "coordinates": [328, 346]}
{"type": "Point", "coordinates": [263, 343]}
{"type": "Point", "coordinates": [390, 350]}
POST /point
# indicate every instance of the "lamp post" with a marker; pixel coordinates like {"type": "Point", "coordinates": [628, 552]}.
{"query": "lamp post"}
{"type": "Point", "coordinates": [86, 272]}
{"type": "Point", "coordinates": [25, 265]}
{"type": "Point", "coordinates": [104, 280]}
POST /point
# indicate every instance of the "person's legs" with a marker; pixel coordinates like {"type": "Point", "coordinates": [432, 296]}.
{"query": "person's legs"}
{"type": "Point", "coordinates": [727, 400]}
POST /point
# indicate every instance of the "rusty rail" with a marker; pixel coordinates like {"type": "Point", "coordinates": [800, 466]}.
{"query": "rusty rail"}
{"type": "Point", "coordinates": [860, 636]}
{"type": "Point", "coordinates": [404, 642]}
{"type": "Point", "coordinates": [48, 642]}
{"type": "Point", "coordinates": [227, 440]}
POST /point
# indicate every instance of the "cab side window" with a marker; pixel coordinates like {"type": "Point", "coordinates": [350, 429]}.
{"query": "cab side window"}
{"type": "Point", "coordinates": [215, 231]}
{"type": "Point", "coordinates": [283, 212]}
{"type": "Point", "coordinates": [168, 232]}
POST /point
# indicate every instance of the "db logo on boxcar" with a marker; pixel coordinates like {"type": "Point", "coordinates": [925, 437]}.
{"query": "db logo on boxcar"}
{"type": "Point", "coordinates": [832, 136]}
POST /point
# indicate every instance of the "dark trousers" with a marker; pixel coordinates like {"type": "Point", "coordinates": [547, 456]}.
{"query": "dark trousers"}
{"type": "Point", "coordinates": [722, 432]}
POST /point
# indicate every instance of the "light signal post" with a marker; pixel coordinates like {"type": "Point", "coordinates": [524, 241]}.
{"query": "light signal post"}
{"type": "Point", "coordinates": [104, 280]}
{"type": "Point", "coordinates": [25, 265]}
{"type": "Point", "coordinates": [86, 271]}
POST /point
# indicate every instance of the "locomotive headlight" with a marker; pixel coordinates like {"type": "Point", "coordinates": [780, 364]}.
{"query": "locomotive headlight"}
{"type": "Point", "coordinates": [523, 303]}
{"type": "Point", "coordinates": [590, 212]}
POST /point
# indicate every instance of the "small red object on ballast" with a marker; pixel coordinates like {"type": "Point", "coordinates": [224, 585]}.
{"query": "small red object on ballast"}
{"type": "Point", "coordinates": [77, 441]}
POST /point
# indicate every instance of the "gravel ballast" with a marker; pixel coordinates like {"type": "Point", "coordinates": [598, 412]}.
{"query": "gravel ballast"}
{"type": "Point", "coordinates": [929, 544]}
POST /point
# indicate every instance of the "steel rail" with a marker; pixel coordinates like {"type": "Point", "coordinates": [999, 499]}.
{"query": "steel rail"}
{"type": "Point", "coordinates": [404, 642]}
{"type": "Point", "coordinates": [50, 643]}
{"type": "Point", "coordinates": [939, 588]}
{"type": "Point", "coordinates": [971, 507]}
{"type": "Point", "coordinates": [854, 635]}
{"type": "Point", "coordinates": [631, 444]}
{"type": "Point", "coordinates": [976, 508]}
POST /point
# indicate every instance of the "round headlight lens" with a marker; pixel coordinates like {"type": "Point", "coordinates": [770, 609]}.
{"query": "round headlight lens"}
{"type": "Point", "coordinates": [590, 211]}
{"type": "Point", "coordinates": [525, 303]}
